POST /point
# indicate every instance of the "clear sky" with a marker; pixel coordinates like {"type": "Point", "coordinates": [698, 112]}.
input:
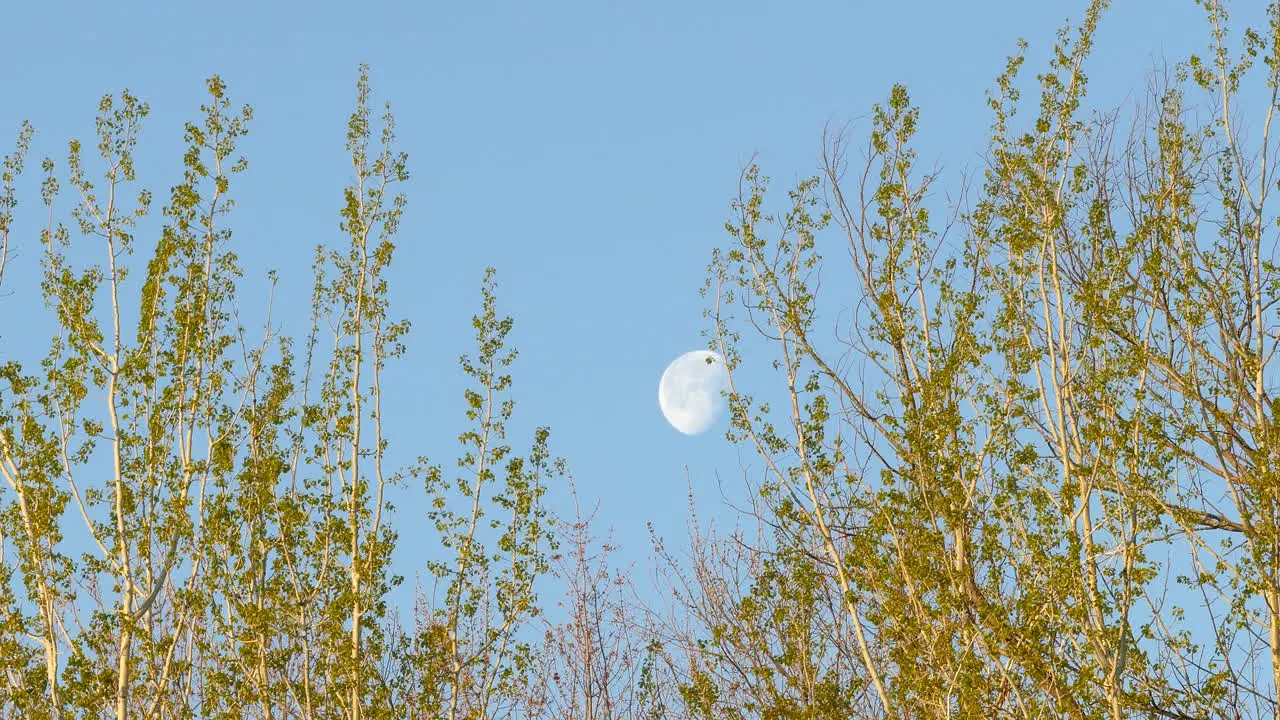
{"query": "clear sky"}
{"type": "Point", "coordinates": [587, 149]}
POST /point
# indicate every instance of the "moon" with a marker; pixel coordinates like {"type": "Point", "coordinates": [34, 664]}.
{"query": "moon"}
{"type": "Point", "coordinates": [689, 392]}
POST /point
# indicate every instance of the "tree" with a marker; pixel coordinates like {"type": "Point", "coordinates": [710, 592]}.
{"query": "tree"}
{"type": "Point", "coordinates": [970, 501]}
{"type": "Point", "coordinates": [990, 457]}
{"type": "Point", "coordinates": [756, 628]}
{"type": "Point", "coordinates": [467, 656]}
{"type": "Point", "coordinates": [592, 665]}
{"type": "Point", "coordinates": [240, 543]}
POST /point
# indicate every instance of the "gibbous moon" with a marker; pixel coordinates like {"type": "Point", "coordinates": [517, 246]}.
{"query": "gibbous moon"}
{"type": "Point", "coordinates": [689, 392]}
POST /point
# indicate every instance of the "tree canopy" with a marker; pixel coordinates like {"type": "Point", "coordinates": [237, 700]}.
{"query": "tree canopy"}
{"type": "Point", "coordinates": [1020, 457]}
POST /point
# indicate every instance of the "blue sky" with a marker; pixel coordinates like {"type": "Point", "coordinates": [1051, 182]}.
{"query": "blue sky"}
{"type": "Point", "coordinates": [588, 150]}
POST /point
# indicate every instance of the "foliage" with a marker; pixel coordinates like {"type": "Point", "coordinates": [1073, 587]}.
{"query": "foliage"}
{"type": "Point", "coordinates": [1030, 472]}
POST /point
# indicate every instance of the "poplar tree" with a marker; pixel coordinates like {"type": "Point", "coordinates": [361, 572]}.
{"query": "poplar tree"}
{"type": "Point", "coordinates": [1034, 416]}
